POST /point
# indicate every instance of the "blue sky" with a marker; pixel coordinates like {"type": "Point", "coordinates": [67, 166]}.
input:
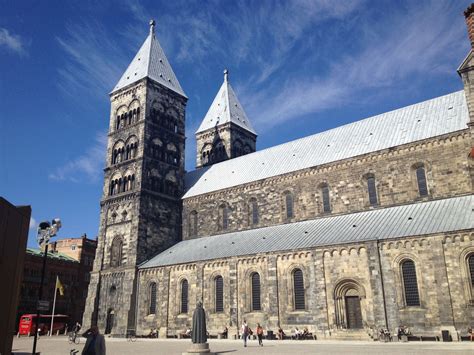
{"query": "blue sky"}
{"type": "Point", "coordinates": [298, 67]}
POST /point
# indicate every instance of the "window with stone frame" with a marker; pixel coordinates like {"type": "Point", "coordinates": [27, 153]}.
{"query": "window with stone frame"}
{"type": "Point", "coordinates": [470, 266]}
{"type": "Point", "coordinates": [372, 190]}
{"type": "Point", "coordinates": [152, 301]}
{"type": "Point", "coordinates": [298, 290]}
{"type": "Point", "coordinates": [255, 279]}
{"type": "Point", "coordinates": [421, 181]}
{"type": "Point", "coordinates": [289, 205]}
{"type": "Point", "coordinates": [219, 293]}
{"type": "Point", "coordinates": [326, 199]}
{"type": "Point", "coordinates": [253, 212]}
{"type": "Point", "coordinates": [224, 216]}
{"type": "Point", "coordinates": [410, 283]}
{"type": "Point", "coordinates": [193, 224]}
{"type": "Point", "coordinates": [184, 296]}
{"type": "Point", "coordinates": [116, 252]}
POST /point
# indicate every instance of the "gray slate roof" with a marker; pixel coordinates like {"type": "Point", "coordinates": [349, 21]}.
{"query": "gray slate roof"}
{"type": "Point", "coordinates": [225, 108]}
{"type": "Point", "coordinates": [150, 61]}
{"type": "Point", "coordinates": [413, 123]}
{"type": "Point", "coordinates": [438, 216]}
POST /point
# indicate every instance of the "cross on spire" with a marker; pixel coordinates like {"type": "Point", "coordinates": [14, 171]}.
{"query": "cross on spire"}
{"type": "Point", "coordinates": [152, 26]}
{"type": "Point", "coordinates": [226, 75]}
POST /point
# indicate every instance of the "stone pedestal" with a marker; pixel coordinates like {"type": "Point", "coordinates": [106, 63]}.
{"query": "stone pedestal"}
{"type": "Point", "coordinates": [199, 349]}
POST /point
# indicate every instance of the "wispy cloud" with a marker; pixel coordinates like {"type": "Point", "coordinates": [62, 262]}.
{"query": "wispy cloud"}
{"type": "Point", "coordinates": [415, 43]}
{"type": "Point", "coordinates": [12, 42]}
{"type": "Point", "coordinates": [85, 168]}
{"type": "Point", "coordinates": [95, 60]}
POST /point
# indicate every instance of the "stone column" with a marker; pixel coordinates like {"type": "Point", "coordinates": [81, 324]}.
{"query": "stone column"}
{"type": "Point", "coordinates": [272, 289]}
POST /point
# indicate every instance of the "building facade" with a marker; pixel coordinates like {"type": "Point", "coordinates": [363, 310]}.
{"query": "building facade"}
{"type": "Point", "coordinates": [366, 226]}
{"type": "Point", "coordinates": [69, 259]}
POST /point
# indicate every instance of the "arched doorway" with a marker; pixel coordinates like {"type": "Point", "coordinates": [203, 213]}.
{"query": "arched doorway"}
{"type": "Point", "coordinates": [353, 310]}
{"type": "Point", "coordinates": [347, 302]}
{"type": "Point", "coordinates": [110, 321]}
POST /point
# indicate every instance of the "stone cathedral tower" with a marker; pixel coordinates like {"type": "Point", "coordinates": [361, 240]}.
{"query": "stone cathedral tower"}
{"type": "Point", "coordinates": [143, 183]}
{"type": "Point", "coordinates": [225, 132]}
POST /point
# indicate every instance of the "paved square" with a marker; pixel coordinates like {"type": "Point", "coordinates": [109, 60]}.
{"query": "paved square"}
{"type": "Point", "coordinates": [59, 345]}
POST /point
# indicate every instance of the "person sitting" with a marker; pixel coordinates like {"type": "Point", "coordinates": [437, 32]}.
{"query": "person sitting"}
{"type": "Point", "coordinates": [305, 333]}
{"type": "Point", "coordinates": [297, 334]}
{"type": "Point", "coordinates": [186, 333]}
{"type": "Point", "coordinates": [153, 333]}
{"type": "Point", "coordinates": [471, 333]}
{"type": "Point", "coordinates": [281, 333]}
{"type": "Point", "coordinates": [225, 333]}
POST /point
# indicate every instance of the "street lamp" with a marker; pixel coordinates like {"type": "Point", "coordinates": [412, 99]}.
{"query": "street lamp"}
{"type": "Point", "coordinates": [45, 232]}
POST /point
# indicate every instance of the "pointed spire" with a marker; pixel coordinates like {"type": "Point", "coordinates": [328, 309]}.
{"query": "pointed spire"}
{"type": "Point", "coordinates": [150, 61]}
{"type": "Point", "coordinates": [226, 108]}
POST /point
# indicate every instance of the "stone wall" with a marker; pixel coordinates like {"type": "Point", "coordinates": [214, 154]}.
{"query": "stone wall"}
{"type": "Point", "coordinates": [370, 270]}
{"type": "Point", "coordinates": [447, 171]}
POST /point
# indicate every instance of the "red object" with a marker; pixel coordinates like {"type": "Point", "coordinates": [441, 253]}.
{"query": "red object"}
{"type": "Point", "coordinates": [27, 323]}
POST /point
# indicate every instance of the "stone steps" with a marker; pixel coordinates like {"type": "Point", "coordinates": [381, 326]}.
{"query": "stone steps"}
{"type": "Point", "coordinates": [350, 335]}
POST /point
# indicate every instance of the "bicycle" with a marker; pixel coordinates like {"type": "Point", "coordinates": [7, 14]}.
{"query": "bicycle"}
{"type": "Point", "coordinates": [73, 338]}
{"type": "Point", "coordinates": [131, 335]}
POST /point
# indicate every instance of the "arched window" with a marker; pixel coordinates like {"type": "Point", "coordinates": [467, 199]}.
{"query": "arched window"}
{"type": "Point", "coordinates": [224, 216]}
{"type": "Point", "coordinates": [325, 195]}
{"type": "Point", "coordinates": [193, 223]}
{"type": "Point", "coordinates": [421, 180]}
{"type": "Point", "coordinates": [372, 191]}
{"type": "Point", "coordinates": [410, 283]}
{"type": "Point", "coordinates": [256, 306]}
{"type": "Point", "coordinates": [470, 264]}
{"type": "Point", "coordinates": [298, 289]}
{"type": "Point", "coordinates": [253, 210]}
{"type": "Point", "coordinates": [289, 205]}
{"type": "Point", "coordinates": [184, 296]}
{"type": "Point", "coordinates": [152, 293]}
{"type": "Point", "coordinates": [116, 252]}
{"type": "Point", "coordinates": [219, 287]}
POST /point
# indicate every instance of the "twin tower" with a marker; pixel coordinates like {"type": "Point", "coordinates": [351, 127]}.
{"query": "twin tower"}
{"type": "Point", "coordinates": [141, 204]}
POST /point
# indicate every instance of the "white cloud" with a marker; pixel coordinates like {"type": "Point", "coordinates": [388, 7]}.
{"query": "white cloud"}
{"type": "Point", "coordinates": [86, 167]}
{"type": "Point", "coordinates": [12, 42]}
{"type": "Point", "coordinates": [33, 223]}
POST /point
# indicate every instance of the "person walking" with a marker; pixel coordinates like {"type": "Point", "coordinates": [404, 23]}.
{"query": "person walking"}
{"type": "Point", "coordinates": [95, 343]}
{"type": "Point", "coordinates": [259, 332]}
{"type": "Point", "coordinates": [245, 332]}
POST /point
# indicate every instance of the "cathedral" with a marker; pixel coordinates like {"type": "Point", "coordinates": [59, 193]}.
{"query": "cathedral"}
{"type": "Point", "coordinates": [365, 226]}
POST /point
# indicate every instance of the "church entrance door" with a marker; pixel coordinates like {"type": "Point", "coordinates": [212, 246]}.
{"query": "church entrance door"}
{"type": "Point", "coordinates": [353, 312]}
{"type": "Point", "coordinates": [110, 321]}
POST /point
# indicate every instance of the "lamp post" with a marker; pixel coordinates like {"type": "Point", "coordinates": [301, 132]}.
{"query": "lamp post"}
{"type": "Point", "coordinates": [45, 232]}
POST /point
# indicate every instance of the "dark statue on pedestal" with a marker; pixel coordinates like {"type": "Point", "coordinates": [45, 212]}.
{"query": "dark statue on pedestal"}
{"type": "Point", "coordinates": [199, 334]}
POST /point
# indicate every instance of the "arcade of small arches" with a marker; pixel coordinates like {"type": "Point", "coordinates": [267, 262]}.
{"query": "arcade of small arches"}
{"type": "Point", "coordinates": [127, 116]}
{"type": "Point", "coordinates": [216, 152]}
{"type": "Point", "coordinates": [166, 185]}
{"type": "Point", "coordinates": [124, 151]}
{"type": "Point", "coordinates": [288, 202]}
{"type": "Point", "coordinates": [167, 118]}
{"type": "Point", "coordinates": [119, 184]}
{"type": "Point", "coordinates": [164, 152]}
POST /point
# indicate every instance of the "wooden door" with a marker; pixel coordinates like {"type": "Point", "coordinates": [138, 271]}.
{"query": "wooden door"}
{"type": "Point", "coordinates": [353, 312]}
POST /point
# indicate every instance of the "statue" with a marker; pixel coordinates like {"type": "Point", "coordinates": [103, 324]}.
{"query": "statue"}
{"type": "Point", "coordinates": [199, 335]}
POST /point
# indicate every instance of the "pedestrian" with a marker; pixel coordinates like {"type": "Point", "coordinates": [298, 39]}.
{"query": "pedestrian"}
{"type": "Point", "coordinates": [259, 332]}
{"type": "Point", "coordinates": [95, 343]}
{"type": "Point", "coordinates": [245, 332]}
